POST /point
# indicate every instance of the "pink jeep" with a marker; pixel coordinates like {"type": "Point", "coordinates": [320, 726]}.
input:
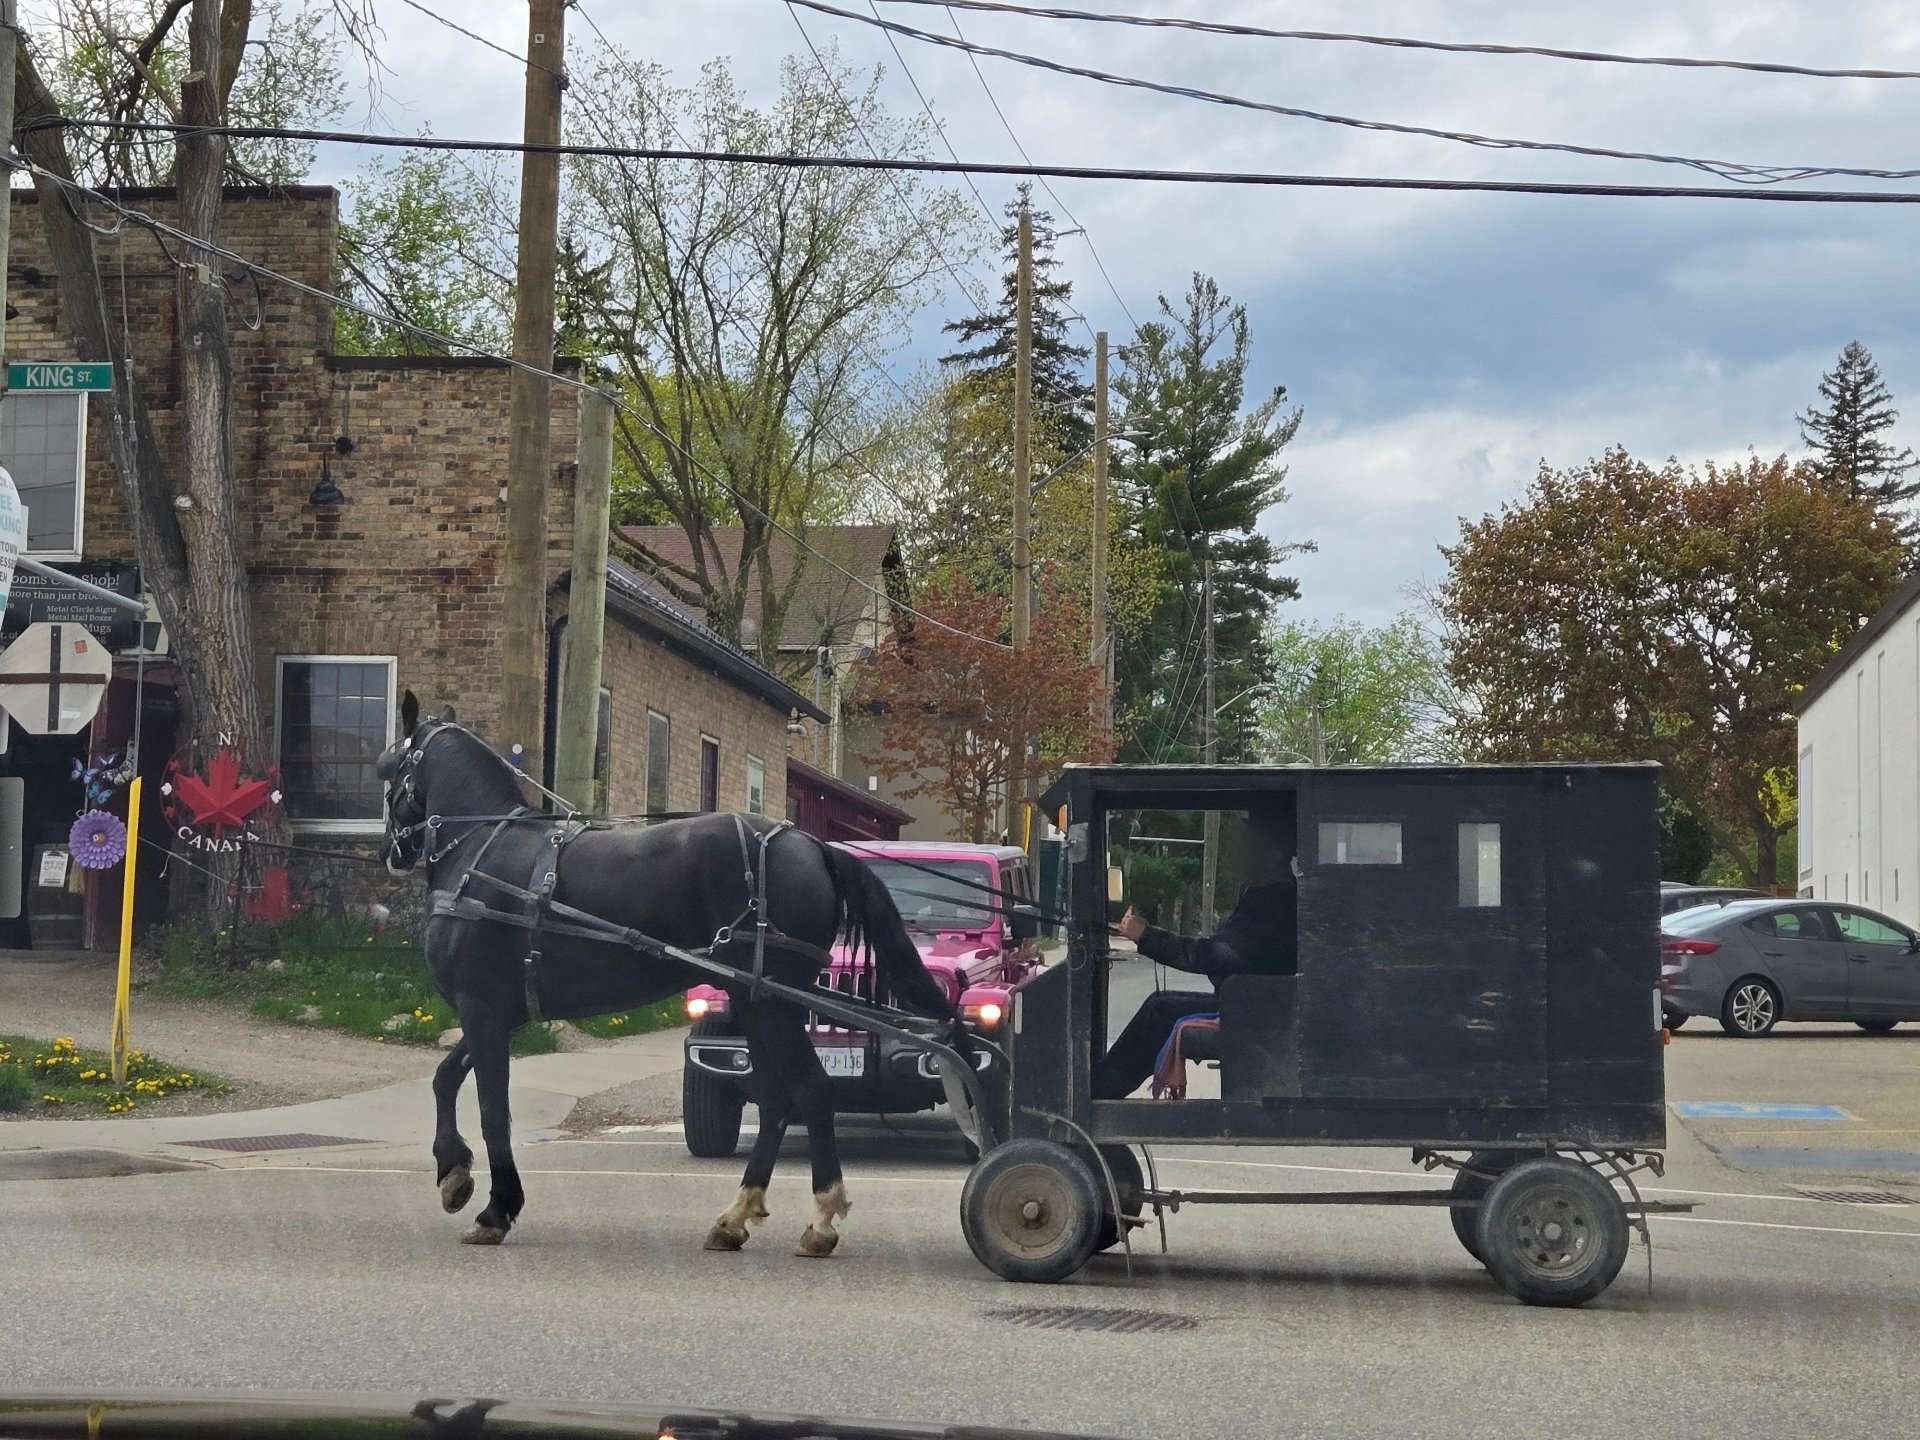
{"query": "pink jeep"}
{"type": "Point", "coordinates": [965, 940]}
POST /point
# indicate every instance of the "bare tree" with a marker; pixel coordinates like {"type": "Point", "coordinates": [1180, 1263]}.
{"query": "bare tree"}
{"type": "Point", "coordinates": [743, 309]}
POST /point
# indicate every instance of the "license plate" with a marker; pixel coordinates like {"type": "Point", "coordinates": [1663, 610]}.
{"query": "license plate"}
{"type": "Point", "coordinates": [843, 1062]}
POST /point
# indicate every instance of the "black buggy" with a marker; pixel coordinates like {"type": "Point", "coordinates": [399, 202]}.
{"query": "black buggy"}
{"type": "Point", "coordinates": [1477, 968]}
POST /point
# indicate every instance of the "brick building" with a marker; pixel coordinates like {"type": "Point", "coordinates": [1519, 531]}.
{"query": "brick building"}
{"type": "Point", "coordinates": [372, 508]}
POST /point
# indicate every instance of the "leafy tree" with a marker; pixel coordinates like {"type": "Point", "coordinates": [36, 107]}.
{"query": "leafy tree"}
{"type": "Point", "coordinates": [127, 63]}
{"type": "Point", "coordinates": [1846, 436]}
{"type": "Point", "coordinates": [1622, 611]}
{"type": "Point", "coordinates": [1361, 695]}
{"type": "Point", "coordinates": [430, 240]}
{"type": "Point", "coordinates": [742, 306]}
{"type": "Point", "coordinates": [1200, 474]}
{"type": "Point", "coordinates": [1686, 846]}
{"type": "Point", "coordinates": [956, 711]}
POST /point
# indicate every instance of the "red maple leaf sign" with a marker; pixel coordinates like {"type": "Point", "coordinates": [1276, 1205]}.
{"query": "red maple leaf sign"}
{"type": "Point", "coordinates": [222, 800]}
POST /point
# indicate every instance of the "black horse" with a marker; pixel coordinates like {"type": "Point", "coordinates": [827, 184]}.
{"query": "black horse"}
{"type": "Point", "coordinates": [454, 802]}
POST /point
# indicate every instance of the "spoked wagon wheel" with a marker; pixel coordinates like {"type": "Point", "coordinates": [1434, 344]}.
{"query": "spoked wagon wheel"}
{"type": "Point", "coordinates": [1553, 1232]}
{"type": "Point", "coordinates": [1030, 1211]}
{"type": "Point", "coordinates": [1130, 1182]}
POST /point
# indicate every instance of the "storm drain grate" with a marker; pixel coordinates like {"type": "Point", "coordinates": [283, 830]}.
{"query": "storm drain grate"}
{"type": "Point", "coordinates": [1071, 1317]}
{"type": "Point", "coordinates": [250, 1143]}
{"type": "Point", "coordinates": [1858, 1197]}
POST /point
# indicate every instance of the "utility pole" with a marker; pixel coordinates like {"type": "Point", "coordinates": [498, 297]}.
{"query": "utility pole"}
{"type": "Point", "coordinates": [819, 696]}
{"type": "Point", "coordinates": [9, 42]}
{"type": "Point", "coordinates": [523, 649]}
{"type": "Point", "coordinates": [1019, 812]}
{"type": "Point", "coordinates": [1209, 739]}
{"type": "Point", "coordinates": [579, 719]}
{"type": "Point", "coordinates": [1099, 656]}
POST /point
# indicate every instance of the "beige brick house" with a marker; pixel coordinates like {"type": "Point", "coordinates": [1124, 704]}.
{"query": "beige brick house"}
{"type": "Point", "coordinates": [373, 519]}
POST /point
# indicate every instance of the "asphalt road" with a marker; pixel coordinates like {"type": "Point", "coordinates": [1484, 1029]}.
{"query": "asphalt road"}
{"type": "Point", "coordinates": [1770, 1312]}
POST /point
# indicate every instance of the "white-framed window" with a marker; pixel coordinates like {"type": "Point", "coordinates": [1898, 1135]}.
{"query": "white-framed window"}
{"type": "Point", "coordinates": [333, 715]}
{"type": "Point", "coordinates": [1360, 842]}
{"type": "Point", "coordinates": [1479, 864]}
{"type": "Point", "coordinates": [43, 444]}
{"type": "Point", "coordinates": [659, 761]}
{"type": "Point", "coordinates": [756, 786]}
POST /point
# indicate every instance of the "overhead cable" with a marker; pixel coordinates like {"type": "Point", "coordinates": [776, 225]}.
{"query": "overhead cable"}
{"type": "Point", "coordinates": [1725, 169]}
{"type": "Point", "coordinates": [1281, 180]}
{"type": "Point", "coordinates": [1400, 42]}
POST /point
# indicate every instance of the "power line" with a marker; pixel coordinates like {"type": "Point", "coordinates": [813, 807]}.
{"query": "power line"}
{"type": "Point", "coordinates": [1398, 42]}
{"type": "Point", "coordinates": [1271, 179]}
{"type": "Point", "coordinates": [939, 129]}
{"type": "Point", "coordinates": [338, 302]}
{"type": "Point", "coordinates": [1054, 195]}
{"type": "Point", "coordinates": [512, 55]}
{"type": "Point", "coordinates": [1725, 169]}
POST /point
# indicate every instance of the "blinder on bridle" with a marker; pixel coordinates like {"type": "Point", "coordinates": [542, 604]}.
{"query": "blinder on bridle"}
{"type": "Point", "coordinates": [408, 824]}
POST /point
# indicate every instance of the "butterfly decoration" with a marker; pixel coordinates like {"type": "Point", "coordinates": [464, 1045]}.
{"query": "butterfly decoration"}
{"type": "Point", "coordinates": [106, 775]}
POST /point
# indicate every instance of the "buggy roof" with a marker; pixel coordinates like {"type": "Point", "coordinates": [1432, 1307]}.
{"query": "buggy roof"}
{"type": "Point", "coordinates": [1188, 781]}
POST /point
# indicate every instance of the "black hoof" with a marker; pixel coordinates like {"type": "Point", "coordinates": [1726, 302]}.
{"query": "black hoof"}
{"type": "Point", "coordinates": [721, 1238]}
{"type": "Point", "coordinates": [483, 1235]}
{"type": "Point", "coordinates": [456, 1189]}
{"type": "Point", "coordinates": [817, 1244]}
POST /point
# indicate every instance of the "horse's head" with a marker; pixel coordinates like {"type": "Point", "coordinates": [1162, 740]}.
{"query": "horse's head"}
{"type": "Point", "coordinates": [402, 766]}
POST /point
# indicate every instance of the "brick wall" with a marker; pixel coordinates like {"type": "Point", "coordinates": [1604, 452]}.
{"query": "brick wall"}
{"type": "Point", "coordinates": [644, 673]}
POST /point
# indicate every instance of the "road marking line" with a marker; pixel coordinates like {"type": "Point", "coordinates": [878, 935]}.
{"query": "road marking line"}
{"type": "Point", "coordinates": [1776, 1225]}
{"type": "Point", "coordinates": [1423, 1176]}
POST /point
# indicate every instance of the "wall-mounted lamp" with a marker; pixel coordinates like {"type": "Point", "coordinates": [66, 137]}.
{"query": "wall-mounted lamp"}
{"type": "Point", "coordinates": [326, 492]}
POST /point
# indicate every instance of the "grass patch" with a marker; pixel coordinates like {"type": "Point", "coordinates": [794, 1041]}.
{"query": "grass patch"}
{"type": "Point", "coordinates": [368, 985]}
{"type": "Point", "coordinates": [58, 1075]}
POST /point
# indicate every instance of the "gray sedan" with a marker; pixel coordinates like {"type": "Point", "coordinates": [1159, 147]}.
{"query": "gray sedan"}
{"type": "Point", "coordinates": [1753, 963]}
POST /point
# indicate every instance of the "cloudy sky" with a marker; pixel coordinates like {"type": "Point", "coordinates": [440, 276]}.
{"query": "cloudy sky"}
{"type": "Point", "coordinates": [1441, 345]}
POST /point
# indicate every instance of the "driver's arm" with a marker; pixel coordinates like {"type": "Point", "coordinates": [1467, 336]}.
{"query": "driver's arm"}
{"type": "Point", "coordinates": [1196, 954]}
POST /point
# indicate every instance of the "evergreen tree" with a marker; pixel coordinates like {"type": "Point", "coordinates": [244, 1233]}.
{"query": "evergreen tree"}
{"type": "Point", "coordinates": [1062, 399]}
{"type": "Point", "coordinates": [1846, 436]}
{"type": "Point", "coordinates": [1201, 474]}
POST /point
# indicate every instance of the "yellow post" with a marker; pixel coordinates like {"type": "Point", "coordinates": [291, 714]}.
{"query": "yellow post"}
{"type": "Point", "coordinates": [123, 987]}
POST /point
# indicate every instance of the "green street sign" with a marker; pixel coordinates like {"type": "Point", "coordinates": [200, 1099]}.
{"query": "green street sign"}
{"type": "Point", "coordinates": [59, 375]}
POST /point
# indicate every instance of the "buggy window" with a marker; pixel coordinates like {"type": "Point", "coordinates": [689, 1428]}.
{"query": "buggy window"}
{"type": "Point", "coordinates": [1479, 864]}
{"type": "Point", "coordinates": [1360, 842]}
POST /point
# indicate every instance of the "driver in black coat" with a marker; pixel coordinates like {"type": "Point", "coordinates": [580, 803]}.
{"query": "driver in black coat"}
{"type": "Point", "coordinates": [1258, 938]}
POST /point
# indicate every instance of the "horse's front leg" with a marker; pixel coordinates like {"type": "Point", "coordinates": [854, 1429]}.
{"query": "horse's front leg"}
{"type": "Point", "coordinates": [452, 1159]}
{"type": "Point", "coordinates": [487, 1035]}
{"type": "Point", "coordinates": [769, 1091]}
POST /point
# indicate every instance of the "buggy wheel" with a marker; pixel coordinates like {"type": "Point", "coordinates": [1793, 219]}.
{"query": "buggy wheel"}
{"type": "Point", "coordinates": [1751, 1009]}
{"type": "Point", "coordinates": [710, 1109]}
{"type": "Point", "coordinates": [1030, 1210]}
{"type": "Point", "coordinates": [1673, 1019]}
{"type": "Point", "coordinates": [1130, 1182]}
{"type": "Point", "coordinates": [1468, 1186]}
{"type": "Point", "coordinates": [1553, 1232]}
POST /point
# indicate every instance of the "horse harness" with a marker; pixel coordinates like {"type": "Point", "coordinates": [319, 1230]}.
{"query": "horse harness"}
{"type": "Point", "coordinates": [539, 919]}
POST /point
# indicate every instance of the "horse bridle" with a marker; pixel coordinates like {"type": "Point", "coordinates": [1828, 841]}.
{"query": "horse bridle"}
{"type": "Point", "coordinates": [403, 790]}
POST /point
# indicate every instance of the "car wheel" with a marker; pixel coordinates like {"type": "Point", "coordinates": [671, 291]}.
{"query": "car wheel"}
{"type": "Point", "coordinates": [710, 1109]}
{"type": "Point", "coordinates": [1751, 1009]}
{"type": "Point", "coordinates": [1673, 1019]}
{"type": "Point", "coordinates": [1030, 1211]}
{"type": "Point", "coordinates": [1553, 1232]}
{"type": "Point", "coordinates": [1876, 1027]}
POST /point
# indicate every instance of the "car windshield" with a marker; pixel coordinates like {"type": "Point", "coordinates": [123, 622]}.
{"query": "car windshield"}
{"type": "Point", "coordinates": [1704, 917]}
{"type": "Point", "coordinates": [939, 894]}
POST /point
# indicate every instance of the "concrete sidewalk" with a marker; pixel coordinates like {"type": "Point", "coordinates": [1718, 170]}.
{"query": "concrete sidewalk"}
{"type": "Point", "coordinates": [544, 1088]}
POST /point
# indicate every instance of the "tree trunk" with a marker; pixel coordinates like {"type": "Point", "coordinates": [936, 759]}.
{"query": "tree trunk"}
{"type": "Point", "coordinates": [1765, 871]}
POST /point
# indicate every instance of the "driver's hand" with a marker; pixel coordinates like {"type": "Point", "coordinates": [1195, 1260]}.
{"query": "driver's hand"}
{"type": "Point", "coordinates": [1131, 925]}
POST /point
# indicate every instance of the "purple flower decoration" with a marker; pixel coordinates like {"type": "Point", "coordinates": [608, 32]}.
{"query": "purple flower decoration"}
{"type": "Point", "coordinates": [98, 840]}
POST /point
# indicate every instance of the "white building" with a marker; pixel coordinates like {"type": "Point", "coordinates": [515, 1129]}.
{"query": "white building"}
{"type": "Point", "coordinates": [1860, 767]}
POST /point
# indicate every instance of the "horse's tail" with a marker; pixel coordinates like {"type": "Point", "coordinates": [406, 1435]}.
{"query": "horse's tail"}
{"type": "Point", "coordinates": [870, 918]}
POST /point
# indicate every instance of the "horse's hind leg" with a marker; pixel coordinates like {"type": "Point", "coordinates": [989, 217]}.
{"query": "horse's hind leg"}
{"type": "Point", "coordinates": [452, 1159]}
{"type": "Point", "coordinates": [812, 1100]}
{"type": "Point", "coordinates": [487, 1036]}
{"type": "Point", "coordinates": [749, 1207]}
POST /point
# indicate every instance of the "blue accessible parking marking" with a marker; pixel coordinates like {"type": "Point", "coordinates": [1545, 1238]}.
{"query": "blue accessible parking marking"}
{"type": "Point", "coordinates": [1754, 1110]}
